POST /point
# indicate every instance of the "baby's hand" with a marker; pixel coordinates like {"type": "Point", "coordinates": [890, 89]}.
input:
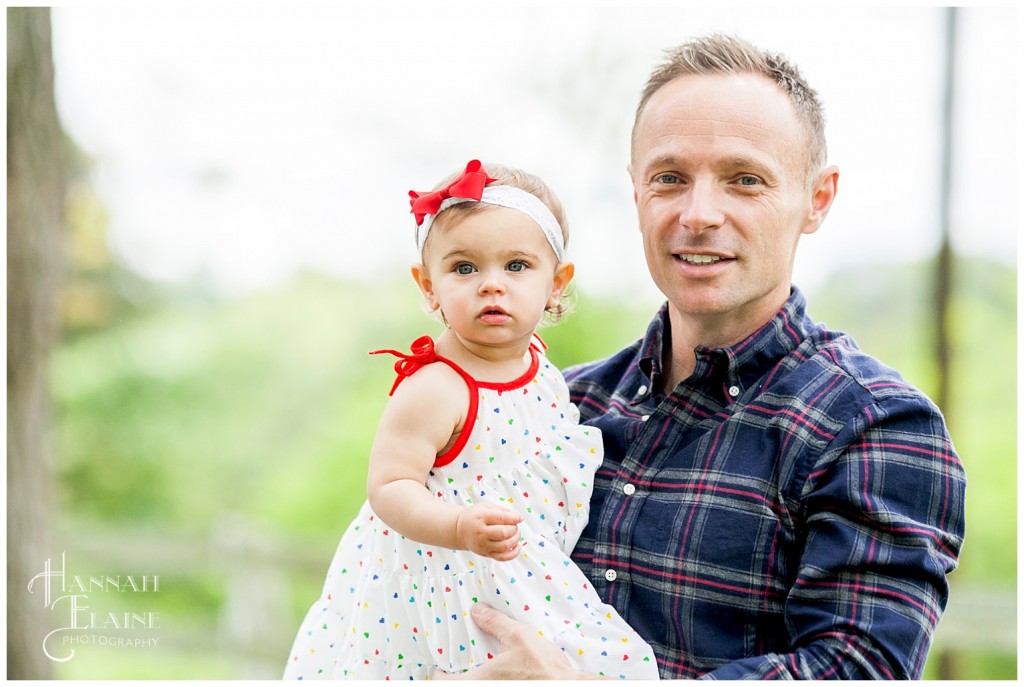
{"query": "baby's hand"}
{"type": "Point", "coordinates": [489, 530]}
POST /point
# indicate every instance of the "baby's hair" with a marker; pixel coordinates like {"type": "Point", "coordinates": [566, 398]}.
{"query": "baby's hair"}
{"type": "Point", "coordinates": [525, 181]}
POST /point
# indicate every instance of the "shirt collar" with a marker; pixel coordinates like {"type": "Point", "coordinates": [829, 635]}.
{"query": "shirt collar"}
{"type": "Point", "coordinates": [651, 347]}
{"type": "Point", "coordinates": [742, 363]}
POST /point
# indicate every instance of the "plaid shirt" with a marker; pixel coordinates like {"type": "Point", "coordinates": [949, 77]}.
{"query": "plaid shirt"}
{"type": "Point", "coordinates": [789, 511]}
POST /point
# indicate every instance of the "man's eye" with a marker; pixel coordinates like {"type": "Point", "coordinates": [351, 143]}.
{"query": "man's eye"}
{"type": "Point", "coordinates": [516, 266]}
{"type": "Point", "coordinates": [667, 179]}
{"type": "Point", "coordinates": [465, 268]}
{"type": "Point", "coordinates": [749, 180]}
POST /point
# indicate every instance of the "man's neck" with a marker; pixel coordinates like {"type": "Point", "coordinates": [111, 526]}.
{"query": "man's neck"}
{"type": "Point", "coordinates": [712, 331]}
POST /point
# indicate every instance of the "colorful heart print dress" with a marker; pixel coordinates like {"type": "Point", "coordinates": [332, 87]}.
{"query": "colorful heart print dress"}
{"type": "Point", "coordinates": [392, 608]}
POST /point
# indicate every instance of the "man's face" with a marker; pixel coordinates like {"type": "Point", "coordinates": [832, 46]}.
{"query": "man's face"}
{"type": "Point", "coordinates": [720, 181]}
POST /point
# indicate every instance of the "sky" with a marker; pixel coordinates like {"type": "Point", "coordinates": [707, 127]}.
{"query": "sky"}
{"type": "Point", "coordinates": [241, 143]}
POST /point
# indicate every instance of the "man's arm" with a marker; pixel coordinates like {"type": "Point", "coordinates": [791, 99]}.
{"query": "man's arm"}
{"type": "Point", "coordinates": [884, 517]}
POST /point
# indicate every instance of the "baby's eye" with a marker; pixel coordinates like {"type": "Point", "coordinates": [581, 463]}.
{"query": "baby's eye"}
{"type": "Point", "coordinates": [516, 266]}
{"type": "Point", "coordinates": [464, 268]}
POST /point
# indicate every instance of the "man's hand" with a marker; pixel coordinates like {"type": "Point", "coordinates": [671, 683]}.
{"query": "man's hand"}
{"type": "Point", "coordinates": [523, 655]}
{"type": "Point", "coordinates": [489, 530]}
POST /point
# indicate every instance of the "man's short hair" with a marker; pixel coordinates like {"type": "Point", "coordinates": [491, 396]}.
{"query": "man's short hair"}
{"type": "Point", "coordinates": [720, 54]}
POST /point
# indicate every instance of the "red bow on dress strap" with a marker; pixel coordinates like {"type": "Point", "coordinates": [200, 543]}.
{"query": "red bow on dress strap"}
{"type": "Point", "coordinates": [470, 184]}
{"type": "Point", "coordinates": [421, 353]}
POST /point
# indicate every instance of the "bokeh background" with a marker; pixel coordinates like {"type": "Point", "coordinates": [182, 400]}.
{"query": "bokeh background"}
{"type": "Point", "coordinates": [208, 230]}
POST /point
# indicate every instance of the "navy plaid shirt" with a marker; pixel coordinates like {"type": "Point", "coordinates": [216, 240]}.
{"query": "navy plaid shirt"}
{"type": "Point", "coordinates": [789, 511]}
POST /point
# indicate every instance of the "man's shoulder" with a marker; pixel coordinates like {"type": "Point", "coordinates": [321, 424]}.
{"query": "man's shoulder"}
{"type": "Point", "coordinates": [875, 382]}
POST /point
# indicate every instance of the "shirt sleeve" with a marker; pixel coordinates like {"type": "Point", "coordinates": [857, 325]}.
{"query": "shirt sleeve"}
{"type": "Point", "coordinates": [883, 523]}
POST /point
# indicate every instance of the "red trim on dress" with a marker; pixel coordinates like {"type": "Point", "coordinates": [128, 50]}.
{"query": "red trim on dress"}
{"type": "Point", "coordinates": [422, 353]}
{"type": "Point", "coordinates": [467, 427]}
{"type": "Point", "coordinates": [520, 381]}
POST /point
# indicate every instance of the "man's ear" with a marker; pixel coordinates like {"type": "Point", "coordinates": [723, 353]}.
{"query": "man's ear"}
{"type": "Point", "coordinates": [422, 278]}
{"type": "Point", "coordinates": [823, 192]}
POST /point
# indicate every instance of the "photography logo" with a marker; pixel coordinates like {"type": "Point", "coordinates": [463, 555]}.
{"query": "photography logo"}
{"type": "Point", "coordinates": [72, 598]}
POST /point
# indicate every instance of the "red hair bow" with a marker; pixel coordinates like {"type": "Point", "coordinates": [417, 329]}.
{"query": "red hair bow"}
{"type": "Point", "coordinates": [470, 184]}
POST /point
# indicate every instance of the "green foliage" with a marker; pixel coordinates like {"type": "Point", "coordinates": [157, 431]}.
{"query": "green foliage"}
{"type": "Point", "coordinates": [252, 407]}
{"type": "Point", "coordinates": [264, 408]}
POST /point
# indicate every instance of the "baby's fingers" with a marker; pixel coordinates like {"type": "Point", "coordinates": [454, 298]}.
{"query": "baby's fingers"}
{"type": "Point", "coordinates": [499, 515]}
{"type": "Point", "coordinates": [489, 530]}
{"type": "Point", "coordinates": [504, 548]}
{"type": "Point", "coordinates": [503, 533]}
{"type": "Point", "coordinates": [503, 552]}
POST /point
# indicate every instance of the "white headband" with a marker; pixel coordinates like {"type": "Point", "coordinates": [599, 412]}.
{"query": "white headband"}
{"type": "Point", "coordinates": [507, 197]}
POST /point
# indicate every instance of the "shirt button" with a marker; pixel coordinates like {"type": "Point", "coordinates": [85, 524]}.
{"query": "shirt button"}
{"type": "Point", "coordinates": [644, 418]}
{"type": "Point", "coordinates": [629, 489]}
{"type": "Point", "coordinates": [610, 575]}
{"type": "Point", "coordinates": [642, 390]}
{"type": "Point", "coordinates": [734, 391]}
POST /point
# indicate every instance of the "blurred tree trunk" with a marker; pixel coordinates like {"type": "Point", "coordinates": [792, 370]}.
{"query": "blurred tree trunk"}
{"type": "Point", "coordinates": [944, 263]}
{"type": "Point", "coordinates": [35, 198]}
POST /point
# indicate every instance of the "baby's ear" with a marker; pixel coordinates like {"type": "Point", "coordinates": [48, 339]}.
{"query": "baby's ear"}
{"type": "Point", "coordinates": [563, 275]}
{"type": "Point", "coordinates": [422, 278]}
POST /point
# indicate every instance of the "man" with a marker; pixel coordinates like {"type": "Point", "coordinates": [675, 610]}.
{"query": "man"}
{"type": "Point", "coordinates": [773, 502]}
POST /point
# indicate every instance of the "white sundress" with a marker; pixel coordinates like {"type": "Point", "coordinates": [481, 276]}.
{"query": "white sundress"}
{"type": "Point", "coordinates": [393, 608]}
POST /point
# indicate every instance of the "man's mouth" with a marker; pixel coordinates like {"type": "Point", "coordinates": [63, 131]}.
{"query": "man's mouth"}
{"type": "Point", "coordinates": [699, 259]}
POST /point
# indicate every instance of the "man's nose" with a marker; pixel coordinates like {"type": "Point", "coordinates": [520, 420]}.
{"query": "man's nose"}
{"type": "Point", "coordinates": [700, 207]}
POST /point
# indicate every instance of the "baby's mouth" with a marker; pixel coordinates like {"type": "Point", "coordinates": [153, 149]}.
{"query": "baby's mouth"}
{"type": "Point", "coordinates": [493, 314]}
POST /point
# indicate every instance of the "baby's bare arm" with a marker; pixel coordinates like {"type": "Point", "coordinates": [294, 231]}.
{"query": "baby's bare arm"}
{"type": "Point", "coordinates": [418, 422]}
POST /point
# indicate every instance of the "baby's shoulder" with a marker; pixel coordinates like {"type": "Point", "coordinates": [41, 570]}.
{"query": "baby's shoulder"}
{"type": "Point", "coordinates": [436, 384]}
{"type": "Point", "coordinates": [436, 373]}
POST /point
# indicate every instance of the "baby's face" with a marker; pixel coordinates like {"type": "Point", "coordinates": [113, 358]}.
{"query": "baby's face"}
{"type": "Point", "coordinates": [492, 274]}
